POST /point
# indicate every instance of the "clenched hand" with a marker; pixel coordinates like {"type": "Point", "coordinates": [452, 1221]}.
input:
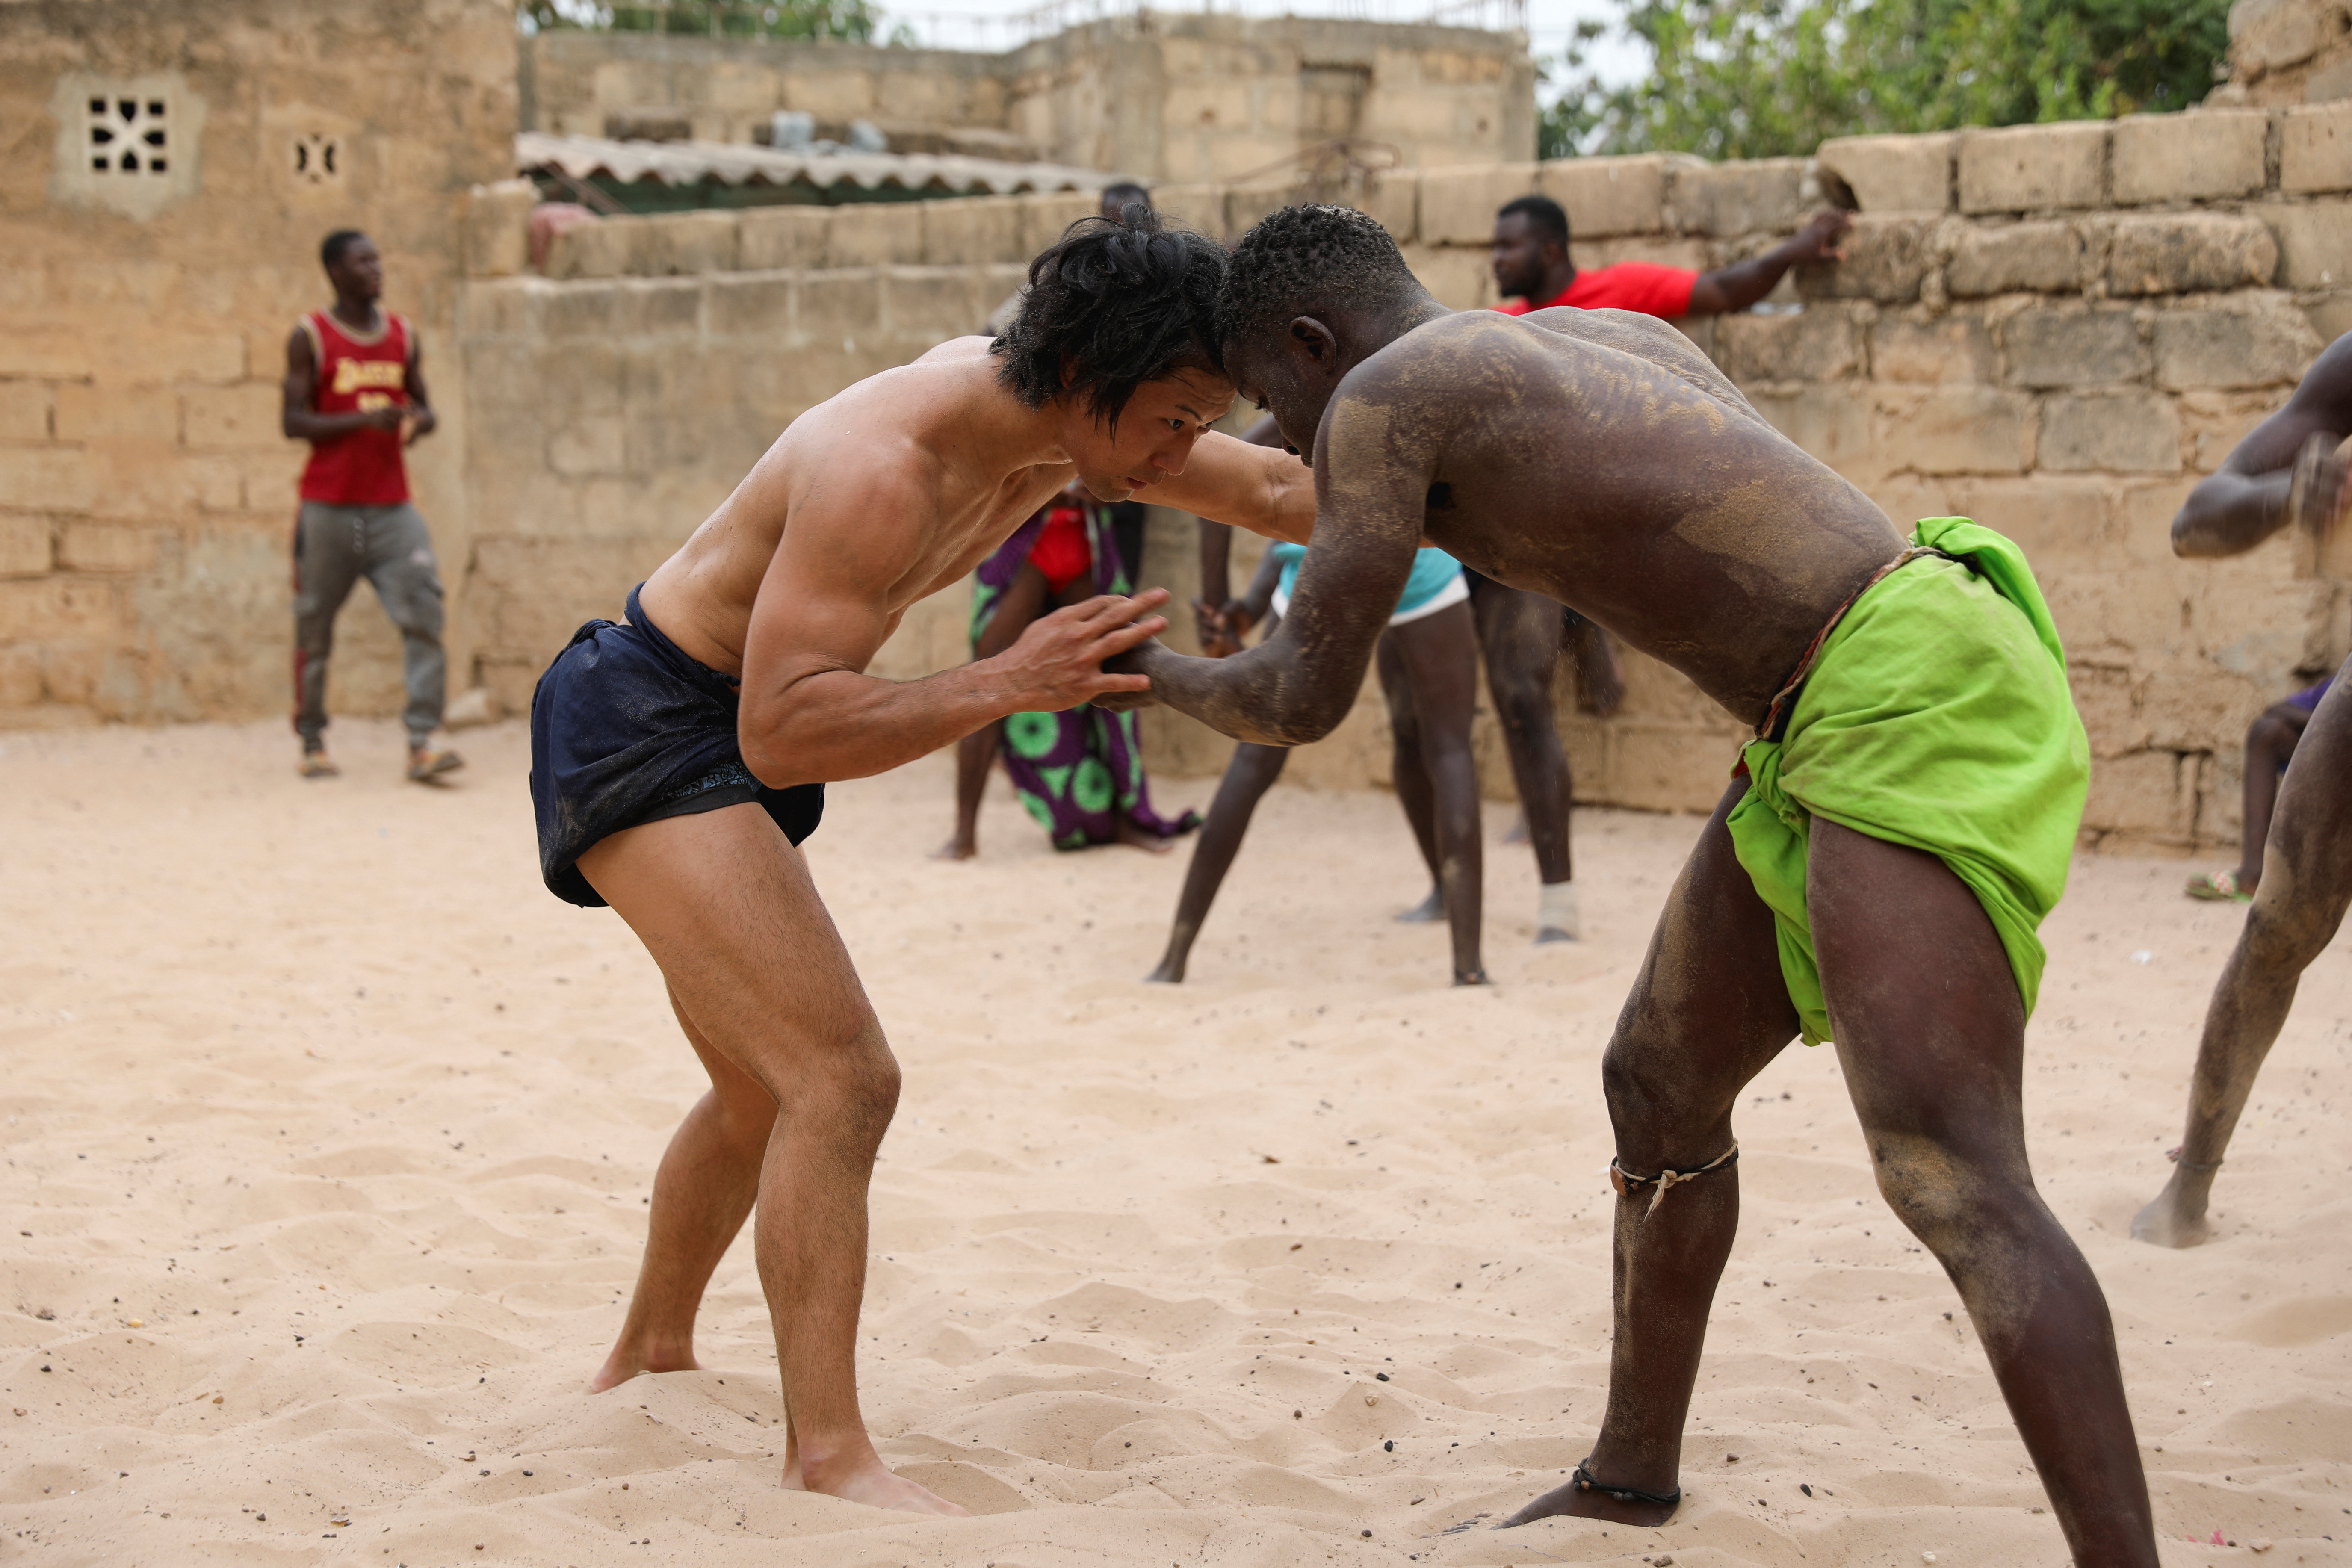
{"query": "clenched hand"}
{"type": "Point", "coordinates": [1058, 662]}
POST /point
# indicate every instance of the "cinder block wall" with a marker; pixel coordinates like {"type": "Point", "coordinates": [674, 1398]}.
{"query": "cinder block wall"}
{"type": "Point", "coordinates": [1161, 96]}
{"type": "Point", "coordinates": [573, 78]}
{"type": "Point", "coordinates": [146, 495]}
{"type": "Point", "coordinates": [2055, 328]}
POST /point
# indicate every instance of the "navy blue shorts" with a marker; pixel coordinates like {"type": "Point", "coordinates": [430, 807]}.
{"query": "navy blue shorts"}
{"type": "Point", "coordinates": [626, 728]}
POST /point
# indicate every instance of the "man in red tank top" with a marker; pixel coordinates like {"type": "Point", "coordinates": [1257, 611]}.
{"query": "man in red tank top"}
{"type": "Point", "coordinates": [352, 382]}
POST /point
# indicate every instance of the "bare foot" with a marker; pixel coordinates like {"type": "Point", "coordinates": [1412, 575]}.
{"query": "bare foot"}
{"type": "Point", "coordinates": [626, 1361]}
{"type": "Point", "coordinates": [1170, 972]}
{"type": "Point", "coordinates": [1517, 831]}
{"type": "Point", "coordinates": [871, 1482]}
{"type": "Point", "coordinates": [956, 849]}
{"type": "Point", "coordinates": [1569, 1502]}
{"type": "Point", "coordinates": [2176, 1217]}
{"type": "Point", "coordinates": [1429, 911]}
{"type": "Point", "coordinates": [1552, 933]}
{"type": "Point", "coordinates": [1134, 838]}
{"type": "Point", "coordinates": [1474, 977]}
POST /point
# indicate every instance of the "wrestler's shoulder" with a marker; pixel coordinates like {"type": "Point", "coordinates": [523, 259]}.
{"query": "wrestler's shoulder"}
{"type": "Point", "coordinates": [1471, 340]}
{"type": "Point", "coordinates": [1424, 365]}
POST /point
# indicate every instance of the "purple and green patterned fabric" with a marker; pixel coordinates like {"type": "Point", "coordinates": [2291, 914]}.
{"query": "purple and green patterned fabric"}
{"type": "Point", "coordinates": [1074, 770]}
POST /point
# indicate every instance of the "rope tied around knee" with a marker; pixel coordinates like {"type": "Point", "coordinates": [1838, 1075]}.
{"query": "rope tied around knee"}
{"type": "Point", "coordinates": [1624, 1181]}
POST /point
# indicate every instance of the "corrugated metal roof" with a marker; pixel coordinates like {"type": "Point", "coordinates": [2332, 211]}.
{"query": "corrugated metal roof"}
{"type": "Point", "coordinates": [690, 163]}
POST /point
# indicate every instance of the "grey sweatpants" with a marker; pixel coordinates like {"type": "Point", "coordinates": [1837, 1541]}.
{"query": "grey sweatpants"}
{"type": "Point", "coordinates": [334, 547]}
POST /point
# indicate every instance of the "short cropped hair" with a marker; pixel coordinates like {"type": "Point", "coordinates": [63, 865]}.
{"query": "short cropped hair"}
{"type": "Point", "coordinates": [1309, 257]}
{"type": "Point", "coordinates": [1117, 303]}
{"type": "Point", "coordinates": [1545, 215]}
{"type": "Point", "coordinates": [331, 248]}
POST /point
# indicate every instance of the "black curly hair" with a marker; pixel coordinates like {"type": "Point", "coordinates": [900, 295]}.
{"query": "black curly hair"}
{"type": "Point", "coordinates": [1303, 257]}
{"type": "Point", "coordinates": [1122, 303]}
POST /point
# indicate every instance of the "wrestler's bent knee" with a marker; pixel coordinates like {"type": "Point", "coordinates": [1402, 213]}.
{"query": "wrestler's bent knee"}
{"type": "Point", "coordinates": [1941, 1197]}
{"type": "Point", "coordinates": [1655, 1109]}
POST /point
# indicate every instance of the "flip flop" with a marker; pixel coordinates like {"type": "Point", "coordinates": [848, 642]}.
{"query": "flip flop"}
{"type": "Point", "coordinates": [318, 765]}
{"type": "Point", "coordinates": [432, 765]}
{"type": "Point", "coordinates": [2220, 887]}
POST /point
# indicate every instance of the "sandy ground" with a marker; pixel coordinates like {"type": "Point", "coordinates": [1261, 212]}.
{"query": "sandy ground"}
{"type": "Point", "coordinates": [328, 1136]}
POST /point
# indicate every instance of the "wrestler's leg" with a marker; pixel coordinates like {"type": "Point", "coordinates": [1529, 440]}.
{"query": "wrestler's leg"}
{"type": "Point", "coordinates": [725, 905]}
{"type": "Point", "coordinates": [1440, 655]}
{"type": "Point", "coordinates": [703, 1192]}
{"type": "Point", "coordinates": [1408, 776]}
{"type": "Point", "coordinates": [1709, 1011]}
{"type": "Point", "coordinates": [1519, 634]}
{"type": "Point", "coordinates": [2269, 745]}
{"type": "Point", "coordinates": [1931, 1032]}
{"type": "Point", "coordinates": [1601, 677]}
{"type": "Point", "coordinates": [1247, 778]}
{"type": "Point", "coordinates": [2306, 888]}
{"type": "Point", "coordinates": [1022, 601]}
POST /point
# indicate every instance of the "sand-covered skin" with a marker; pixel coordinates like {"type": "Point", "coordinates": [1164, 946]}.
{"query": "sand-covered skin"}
{"type": "Point", "coordinates": [328, 1134]}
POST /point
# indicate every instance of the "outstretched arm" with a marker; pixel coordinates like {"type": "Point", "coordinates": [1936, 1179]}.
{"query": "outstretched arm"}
{"type": "Point", "coordinates": [809, 714]}
{"type": "Point", "coordinates": [1262, 488]}
{"type": "Point", "coordinates": [1741, 284]}
{"type": "Point", "coordinates": [1374, 461]}
{"type": "Point", "coordinates": [2247, 500]}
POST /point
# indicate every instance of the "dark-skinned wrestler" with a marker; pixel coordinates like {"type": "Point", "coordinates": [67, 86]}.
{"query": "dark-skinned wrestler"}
{"type": "Point", "coordinates": [1599, 458]}
{"type": "Point", "coordinates": [1428, 664]}
{"type": "Point", "coordinates": [2286, 474]}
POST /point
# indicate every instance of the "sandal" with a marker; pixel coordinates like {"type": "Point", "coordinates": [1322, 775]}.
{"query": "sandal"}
{"type": "Point", "coordinates": [318, 765]}
{"type": "Point", "coordinates": [2218, 887]}
{"type": "Point", "coordinates": [425, 762]}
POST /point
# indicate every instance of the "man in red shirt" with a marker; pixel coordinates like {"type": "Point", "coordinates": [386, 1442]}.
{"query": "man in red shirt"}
{"type": "Point", "coordinates": [1532, 270]}
{"type": "Point", "coordinates": [352, 380]}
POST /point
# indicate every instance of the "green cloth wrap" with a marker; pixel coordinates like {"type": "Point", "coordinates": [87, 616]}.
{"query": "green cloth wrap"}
{"type": "Point", "coordinates": [1937, 716]}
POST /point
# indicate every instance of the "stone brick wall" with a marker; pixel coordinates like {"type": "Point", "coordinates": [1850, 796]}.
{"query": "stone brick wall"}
{"type": "Point", "coordinates": [146, 496]}
{"type": "Point", "coordinates": [2056, 329]}
{"type": "Point", "coordinates": [612, 414]}
{"type": "Point", "coordinates": [2060, 330]}
{"type": "Point", "coordinates": [573, 80]}
{"type": "Point", "coordinates": [2287, 52]}
{"type": "Point", "coordinates": [1159, 96]}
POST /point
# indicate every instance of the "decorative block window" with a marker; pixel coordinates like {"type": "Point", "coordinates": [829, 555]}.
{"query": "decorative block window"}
{"type": "Point", "coordinates": [318, 160]}
{"type": "Point", "coordinates": [128, 143]}
{"type": "Point", "coordinates": [131, 136]}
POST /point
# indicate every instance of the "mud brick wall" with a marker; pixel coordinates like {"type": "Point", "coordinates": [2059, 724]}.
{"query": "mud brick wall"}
{"type": "Point", "coordinates": [146, 496]}
{"type": "Point", "coordinates": [2056, 329]}
{"type": "Point", "coordinates": [1157, 95]}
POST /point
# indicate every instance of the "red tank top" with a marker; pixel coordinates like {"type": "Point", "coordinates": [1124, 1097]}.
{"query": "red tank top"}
{"type": "Point", "coordinates": [358, 468]}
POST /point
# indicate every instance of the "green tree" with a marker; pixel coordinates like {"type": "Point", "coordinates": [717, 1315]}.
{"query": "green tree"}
{"type": "Point", "coordinates": [1758, 78]}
